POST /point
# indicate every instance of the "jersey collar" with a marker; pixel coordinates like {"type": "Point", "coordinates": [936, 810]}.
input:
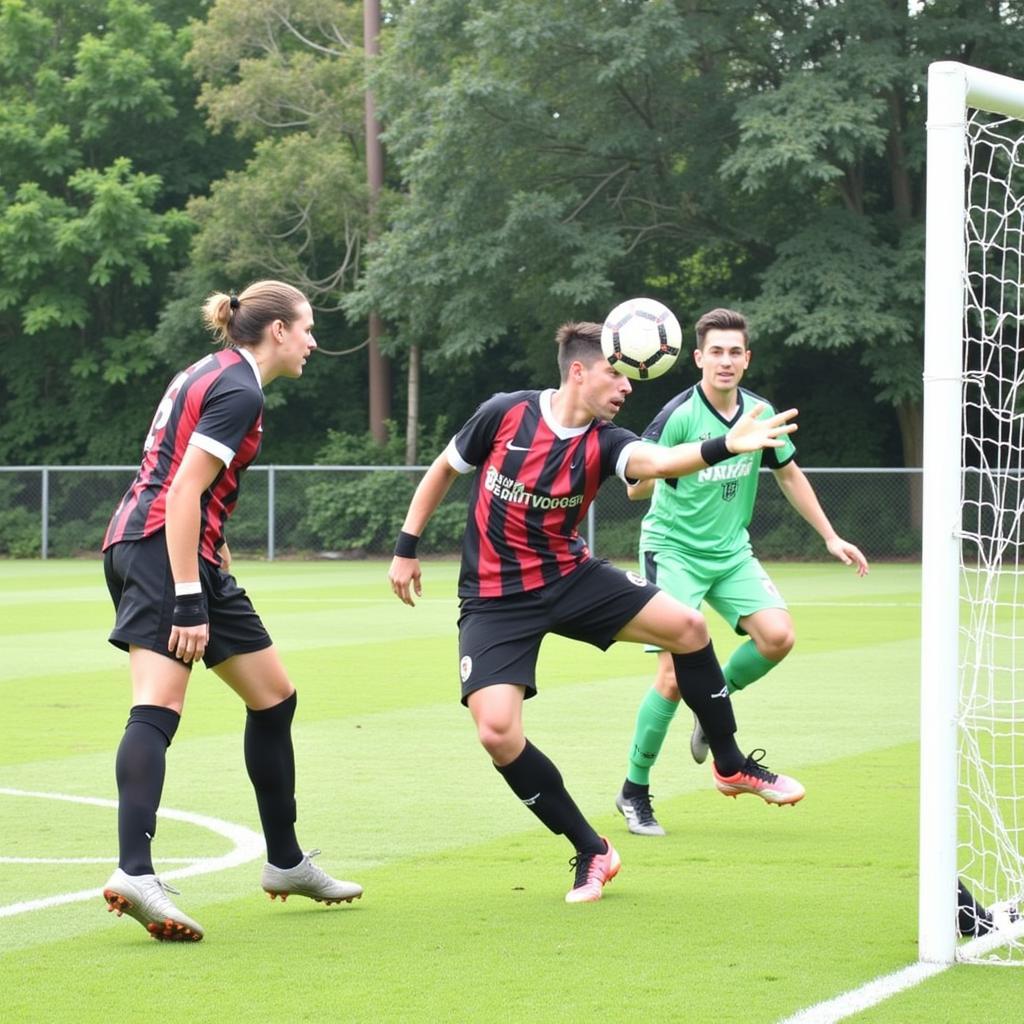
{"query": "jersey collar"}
{"type": "Point", "coordinates": [251, 360]}
{"type": "Point", "coordinates": [715, 412]}
{"type": "Point", "coordinates": [556, 428]}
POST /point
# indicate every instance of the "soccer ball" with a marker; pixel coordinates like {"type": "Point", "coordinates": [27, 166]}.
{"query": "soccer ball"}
{"type": "Point", "coordinates": [641, 338]}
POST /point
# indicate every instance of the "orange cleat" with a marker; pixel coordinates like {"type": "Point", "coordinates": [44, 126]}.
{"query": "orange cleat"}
{"type": "Point", "coordinates": [755, 778]}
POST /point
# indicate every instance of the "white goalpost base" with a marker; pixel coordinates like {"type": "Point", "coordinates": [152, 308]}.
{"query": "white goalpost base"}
{"type": "Point", "coordinates": [972, 713]}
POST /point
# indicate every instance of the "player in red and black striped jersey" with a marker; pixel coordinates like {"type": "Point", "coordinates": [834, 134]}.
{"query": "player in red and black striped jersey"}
{"type": "Point", "coordinates": [215, 405]}
{"type": "Point", "coordinates": [535, 479]}
{"type": "Point", "coordinates": [166, 566]}
{"type": "Point", "coordinates": [538, 459]}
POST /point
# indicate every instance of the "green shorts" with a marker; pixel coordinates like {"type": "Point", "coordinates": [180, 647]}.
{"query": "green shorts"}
{"type": "Point", "coordinates": [734, 589]}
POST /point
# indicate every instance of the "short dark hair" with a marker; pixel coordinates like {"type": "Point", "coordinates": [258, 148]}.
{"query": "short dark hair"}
{"type": "Point", "coordinates": [721, 320]}
{"type": "Point", "coordinates": [577, 341]}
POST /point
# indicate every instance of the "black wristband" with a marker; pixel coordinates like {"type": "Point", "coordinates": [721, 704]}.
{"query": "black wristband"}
{"type": "Point", "coordinates": [190, 610]}
{"type": "Point", "coordinates": [715, 450]}
{"type": "Point", "coordinates": [405, 546]}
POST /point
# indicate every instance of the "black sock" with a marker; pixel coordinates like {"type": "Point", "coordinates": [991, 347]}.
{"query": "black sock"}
{"type": "Point", "coordinates": [139, 769]}
{"type": "Point", "coordinates": [630, 788]}
{"type": "Point", "coordinates": [270, 762]}
{"type": "Point", "coordinates": [702, 686]}
{"type": "Point", "coordinates": [534, 778]}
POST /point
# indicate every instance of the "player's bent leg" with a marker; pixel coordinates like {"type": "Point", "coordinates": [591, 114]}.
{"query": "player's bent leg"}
{"type": "Point", "coordinates": [527, 771]}
{"type": "Point", "coordinates": [772, 636]}
{"type": "Point", "coordinates": [260, 679]}
{"type": "Point", "coordinates": [497, 711]}
{"type": "Point", "coordinates": [653, 718]}
{"type": "Point", "coordinates": [666, 623]}
{"type": "Point", "coordinates": [665, 683]}
{"type": "Point", "coordinates": [158, 692]}
{"type": "Point", "coordinates": [145, 898]}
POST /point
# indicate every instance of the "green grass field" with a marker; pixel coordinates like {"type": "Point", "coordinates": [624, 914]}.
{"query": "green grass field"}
{"type": "Point", "coordinates": [743, 913]}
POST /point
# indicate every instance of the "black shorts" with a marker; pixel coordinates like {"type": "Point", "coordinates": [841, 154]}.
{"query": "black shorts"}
{"type": "Point", "coordinates": [500, 637]}
{"type": "Point", "coordinates": [142, 588]}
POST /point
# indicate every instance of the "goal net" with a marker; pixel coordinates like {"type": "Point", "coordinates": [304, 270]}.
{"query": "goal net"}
{"type": "Point", "coordinates": [972, 687]}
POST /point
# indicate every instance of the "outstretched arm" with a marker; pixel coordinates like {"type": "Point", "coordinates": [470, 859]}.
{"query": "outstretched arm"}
{"type": "Point", "coordinates": [748, 434]}
{"type": "Point", "coordinates": [404, 574]}
{"type": "Point", "coordinates": [800, 494]}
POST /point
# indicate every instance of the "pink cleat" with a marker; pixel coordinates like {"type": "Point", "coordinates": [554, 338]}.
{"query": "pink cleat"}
{"type": "Point", "coordinates": [593, 870]}
{"type": "Point", "coordinates": [755, 778]}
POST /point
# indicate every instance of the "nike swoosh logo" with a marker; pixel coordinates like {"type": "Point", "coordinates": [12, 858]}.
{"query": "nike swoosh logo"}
{"type": "Point", "coordinates": [516, 448]}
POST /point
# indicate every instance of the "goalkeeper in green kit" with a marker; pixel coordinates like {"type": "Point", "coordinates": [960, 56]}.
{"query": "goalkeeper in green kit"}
{"type": "Point", "coordinates": [694, 544]}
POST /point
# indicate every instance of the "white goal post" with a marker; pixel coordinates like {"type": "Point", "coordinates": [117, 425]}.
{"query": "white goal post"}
{"type": "Point", "coordinates": [972, 541]}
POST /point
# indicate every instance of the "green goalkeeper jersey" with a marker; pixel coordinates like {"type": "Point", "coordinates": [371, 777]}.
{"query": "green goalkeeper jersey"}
{"type": "Point", "coordinates": [706, 514]}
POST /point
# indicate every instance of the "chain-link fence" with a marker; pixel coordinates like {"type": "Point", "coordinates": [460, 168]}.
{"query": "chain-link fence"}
{"type": "Point", "coordinates": [356, 511]}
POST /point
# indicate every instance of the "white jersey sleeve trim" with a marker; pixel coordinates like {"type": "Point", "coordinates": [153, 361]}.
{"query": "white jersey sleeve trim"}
{"type": "Point", "coordinates": [251, 360]}
{"type": "Point", "coordinates": [215, 448]}
{"type": "Point", "coordinates": [620, 465]}
{"type": "Point", "coordinates": [455, 460]}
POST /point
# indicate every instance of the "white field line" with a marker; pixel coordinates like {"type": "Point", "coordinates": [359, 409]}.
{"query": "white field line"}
{"type": "Point", "coordinates": [854, 604]}
{"type": "Point", "coordinates": [874, 992]}
{"type": "Point", "coordinates": [248, 845]}
{"type": "Point", "coordinates": [94, 860]}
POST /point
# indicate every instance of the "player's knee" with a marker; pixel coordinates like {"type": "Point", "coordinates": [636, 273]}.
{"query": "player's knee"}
{"type": "Point", "coordinates": [690, 633]}
{"type": "Point", "coordinates": [777, 642]}
{"type": "Point", "coordinates": [499, 738]}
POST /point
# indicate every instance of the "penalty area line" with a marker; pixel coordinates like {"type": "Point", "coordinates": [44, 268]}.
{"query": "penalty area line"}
{"type": "Point", "coordinates": [248, 846]}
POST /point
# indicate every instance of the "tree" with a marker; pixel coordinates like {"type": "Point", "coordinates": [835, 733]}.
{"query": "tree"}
{"type": "Point", "coordinates": [289, 75]}
{"type": "Point", "coordinates": [556, 156]}
{"type": "Point", "coordinates": [91, 180]}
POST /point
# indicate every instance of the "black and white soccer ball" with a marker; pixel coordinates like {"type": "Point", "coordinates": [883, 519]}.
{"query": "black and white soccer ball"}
{"type": "Point", "coordinates": [641, 338]}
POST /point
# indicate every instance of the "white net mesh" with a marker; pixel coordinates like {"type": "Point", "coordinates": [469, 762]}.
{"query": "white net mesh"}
{"type": "Point", "coordinates": [991, 714]}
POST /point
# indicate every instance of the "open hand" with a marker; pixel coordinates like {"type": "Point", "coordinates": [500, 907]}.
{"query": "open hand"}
{"type": "Point", "coordinates": [750, 434]}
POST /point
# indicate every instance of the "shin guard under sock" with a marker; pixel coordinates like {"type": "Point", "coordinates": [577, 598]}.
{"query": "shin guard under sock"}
{"type": "Point", "coordinates": [270, 762]}
{"type": "Point", "coordinates": [653, 718]}
{"type": "Point", "coordinates": [139, 768]}
{"type": "Point", "coordinates": [533, 777]}
{"type": "Point", "coordinates": [702, 686]}
{"type": "Point", "coordinates": [746, 666]}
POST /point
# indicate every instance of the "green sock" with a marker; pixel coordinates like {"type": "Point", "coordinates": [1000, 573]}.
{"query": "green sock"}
{"type": "Point", "coordinates": [652, 721]}
{"type": "Point", "coordinates": [746, 666]}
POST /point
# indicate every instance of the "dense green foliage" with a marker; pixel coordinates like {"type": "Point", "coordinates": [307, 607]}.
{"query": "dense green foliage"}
{"type": "Point", "coordinates": [100, 145]}
{"type": "Point", "coordinates": [543, 161]}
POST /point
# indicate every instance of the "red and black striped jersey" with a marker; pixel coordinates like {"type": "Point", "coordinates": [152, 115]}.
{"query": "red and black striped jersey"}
{"type": "Point", "coordinates": [217, 405]}
{"type": "Point", "coordinates": [534, 482]}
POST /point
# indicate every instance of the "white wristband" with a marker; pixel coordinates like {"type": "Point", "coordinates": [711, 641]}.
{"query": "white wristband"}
{"type": "Point", "coordinates": [184, 589]}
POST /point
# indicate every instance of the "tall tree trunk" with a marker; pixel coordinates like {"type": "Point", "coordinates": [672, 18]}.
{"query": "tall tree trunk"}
{"type": "Point", "coordinates": [899, 176]}
{"type": "Point", "coordinates": [412, 419]}
{"type": "Point", "coordinates": [911, 420]}
{"type": "Point", "coordinates": [379, 366]}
